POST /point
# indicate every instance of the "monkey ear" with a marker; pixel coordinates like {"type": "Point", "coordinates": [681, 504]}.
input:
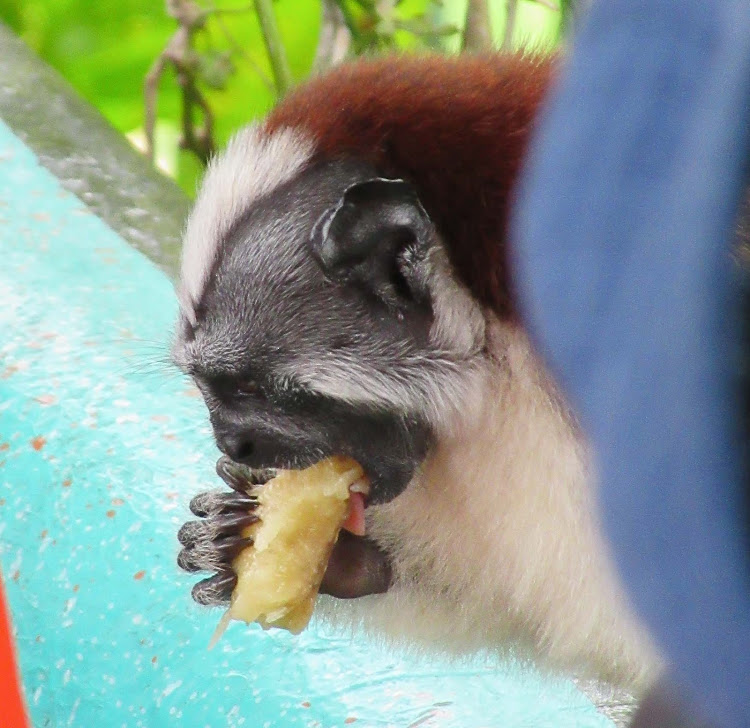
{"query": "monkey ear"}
{"type": "Point", "coordinates": [378, 235]}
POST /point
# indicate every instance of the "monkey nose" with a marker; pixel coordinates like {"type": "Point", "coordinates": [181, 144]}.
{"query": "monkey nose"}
{"type": "Point", "coordinates": [237, 447]}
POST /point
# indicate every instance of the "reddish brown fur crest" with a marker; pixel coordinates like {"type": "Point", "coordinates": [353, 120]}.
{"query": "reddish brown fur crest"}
{"type": "Point", "coordinates": [456, 128]}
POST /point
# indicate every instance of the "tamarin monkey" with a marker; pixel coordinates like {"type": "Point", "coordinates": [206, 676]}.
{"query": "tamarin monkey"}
{"type": "Point", "coordinates": [346, 289]}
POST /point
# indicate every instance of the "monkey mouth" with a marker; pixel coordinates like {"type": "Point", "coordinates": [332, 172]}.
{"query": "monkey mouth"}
{"type": "Point", "coordinates": [357, 566]}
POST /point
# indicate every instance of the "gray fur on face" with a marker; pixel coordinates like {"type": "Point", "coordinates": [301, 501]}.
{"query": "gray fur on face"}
{"type": "Point", "coordinates": [252, 165]}
{"type": "Point", "coordinates": [270, 309]}
{"type": "Point", "coordinates": [330, 366]}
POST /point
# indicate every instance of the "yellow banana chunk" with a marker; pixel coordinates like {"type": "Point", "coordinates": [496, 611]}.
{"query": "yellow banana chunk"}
{"type": "Point", "coordinates": [301, 513]}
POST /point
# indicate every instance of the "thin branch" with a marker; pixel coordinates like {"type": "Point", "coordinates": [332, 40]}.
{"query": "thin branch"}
{"type": "Point", "coordinates": [569, 13]}
{"type": "Point", "coordinates": [386, 11]}
{"type": "Point", "coordinates": [550, 4]}
{"type": "Point", "coordinates": [510, 24]}
{"type": "Point", "coordinates": [477, 31]}
{"type": "Point", "coordinates": [150, 92]}
{"type": "Point", "coordinates": [187, 13]}
{"type": "Point", "coordinates": [275, 48]}
{"type": "Point", "coordinates": [335, 37]}
{"type": "Point", "coordinates": [238, 49]}
{"type": "Point", "coordinates": [232, 11]}
{"type": "Point", "coordinates": [349, 20]}
{"type": "Point", "coordinates": [179, 53]}
{"type": "Point", "coordinates": [198, 140]}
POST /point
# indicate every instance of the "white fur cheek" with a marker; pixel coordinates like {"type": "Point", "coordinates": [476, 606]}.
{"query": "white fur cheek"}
{"type": "Point", "coordinates": [495, 544]}
{"type": "Point", "coordinates": [459, 324]}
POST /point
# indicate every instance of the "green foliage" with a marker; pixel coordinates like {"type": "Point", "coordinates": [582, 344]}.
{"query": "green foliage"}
{"type": "Point", "coordinates": [377, 26]}
{"type": "Point", "coordinates": [105, 50]}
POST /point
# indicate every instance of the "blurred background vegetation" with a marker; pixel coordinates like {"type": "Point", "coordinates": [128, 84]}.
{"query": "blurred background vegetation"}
{"type": "Point", "coordinates": [106, 49]}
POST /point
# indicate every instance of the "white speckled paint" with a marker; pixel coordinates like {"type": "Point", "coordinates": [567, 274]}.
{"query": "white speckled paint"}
{"type": "Point", "coordinates": [101, 447]}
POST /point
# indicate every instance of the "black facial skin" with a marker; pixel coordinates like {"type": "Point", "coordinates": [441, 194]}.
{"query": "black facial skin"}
{"type": "Point", "coordinates": [298, 430]}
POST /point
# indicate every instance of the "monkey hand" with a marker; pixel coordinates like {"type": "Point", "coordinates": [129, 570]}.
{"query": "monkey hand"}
{"type": "Point", "coordinates": [356, 566]}
{"type": "Point", "coordinates": [212, 543]}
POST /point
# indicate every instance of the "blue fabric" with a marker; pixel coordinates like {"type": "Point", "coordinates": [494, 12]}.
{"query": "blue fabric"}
{"type": "Point", "coordinates": [622, 230]}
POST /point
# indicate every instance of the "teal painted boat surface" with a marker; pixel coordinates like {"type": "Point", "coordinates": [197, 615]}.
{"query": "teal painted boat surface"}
{"type": "Point", "coordinates": [102, 445]}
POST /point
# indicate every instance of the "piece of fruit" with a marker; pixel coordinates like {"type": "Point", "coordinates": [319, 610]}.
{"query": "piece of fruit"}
{"type": "Point", "coordinates": [301, 513]}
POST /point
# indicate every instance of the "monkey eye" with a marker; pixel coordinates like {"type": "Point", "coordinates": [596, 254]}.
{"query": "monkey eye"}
{"type": "Point", "coordinates": [248, 387]}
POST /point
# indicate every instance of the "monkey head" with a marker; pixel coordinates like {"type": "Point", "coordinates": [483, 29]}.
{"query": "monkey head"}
{"type": "Point", "coordinates": [330, 323]}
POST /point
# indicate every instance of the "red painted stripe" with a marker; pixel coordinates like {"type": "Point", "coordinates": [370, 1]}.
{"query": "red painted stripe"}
{"type": "Point", "coordinates": [14, 712]}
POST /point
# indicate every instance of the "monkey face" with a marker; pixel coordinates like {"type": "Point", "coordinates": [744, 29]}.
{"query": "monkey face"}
{"type": "Point", "coordinates": [317, 331]}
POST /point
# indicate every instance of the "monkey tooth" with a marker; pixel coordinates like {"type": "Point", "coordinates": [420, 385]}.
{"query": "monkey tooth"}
{"type": "Point", "coordinates": [361, 486]}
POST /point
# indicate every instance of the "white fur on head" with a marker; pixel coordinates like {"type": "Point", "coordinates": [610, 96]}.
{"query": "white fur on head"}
{"type": "Point", "coordinates": [253, 164]}
{"type": "Point", "coordinates": [433, 386]}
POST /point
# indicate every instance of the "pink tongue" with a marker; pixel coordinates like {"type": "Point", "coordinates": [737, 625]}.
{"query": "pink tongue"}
{"type": "Point", "coordinates": [355, 521]}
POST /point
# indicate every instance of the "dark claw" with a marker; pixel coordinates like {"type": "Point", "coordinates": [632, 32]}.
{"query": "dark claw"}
{"type": "Point", "coordinates": [215, 501]}
{"type": "Point", "coordinates": [234, 521]}
{"type": "Point", "coordinates": [212, 555]}
{"type": "Point", "coordinates": [263, 475]}
{"type": "Point", "coordinates": [216, 589]}
{"type": "Point", "coordinates": [240, 477]}
{"type": "Point", "coordinates": [212, 543]}
{"type": "Point", "coordinates": [236, 476]}
{"type": "Point", "coordinates": [227, 548]}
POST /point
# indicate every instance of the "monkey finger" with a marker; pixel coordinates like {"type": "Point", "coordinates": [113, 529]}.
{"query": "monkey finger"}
{"type": "Point", "coordinates": [229, 547]}
{"type": "Point", "coordinates": [215, 590]}
{"type": "Point", "coordinates": [192, 532]}
{"type": "Point", "coordinates": [187, 560]}
{"type": "Point", "coordinates": [233, 521]}
{"type": "Point", "coordinates": [215, 501]}
{"type": "Point", "coordinates": [212, 544]}
{"type": "Point", "coordinates": [200, 555]}
{"type": "Point", "coordinates": [212, 554]}
{"type": "Point", "coordinates": [241, 478]}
